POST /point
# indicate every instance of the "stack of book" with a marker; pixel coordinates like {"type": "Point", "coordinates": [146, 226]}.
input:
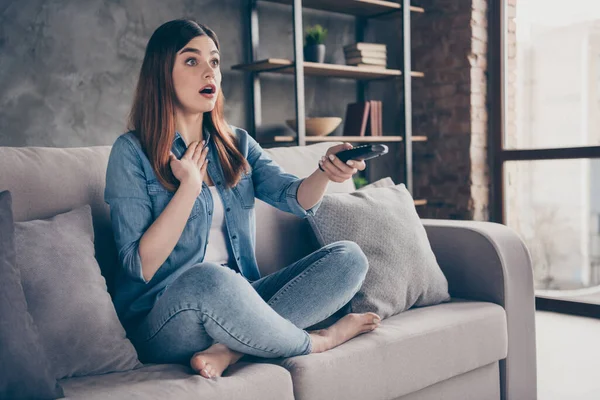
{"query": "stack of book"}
{"type": "Point", "coordinates": [363, 119]}
{"type": "Point", "coordinates": [366, 55]}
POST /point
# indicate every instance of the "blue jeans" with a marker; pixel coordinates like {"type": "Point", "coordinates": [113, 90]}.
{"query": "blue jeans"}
{"type": "Point", "coordinates": [266, 318]}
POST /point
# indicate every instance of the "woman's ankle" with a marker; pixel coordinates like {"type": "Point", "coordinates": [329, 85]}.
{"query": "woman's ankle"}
{"type": "Point", "coordinates": [320, 341]}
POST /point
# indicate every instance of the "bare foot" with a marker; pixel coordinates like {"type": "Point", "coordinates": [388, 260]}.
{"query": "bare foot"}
{"type": "Point", "coordinates": [213, 361]}
{"type": "Point", "coordinates": [349, 326]}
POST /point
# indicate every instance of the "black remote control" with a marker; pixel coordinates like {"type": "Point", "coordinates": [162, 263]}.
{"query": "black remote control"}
{"type": "Point", "coordinates": [365, 152]}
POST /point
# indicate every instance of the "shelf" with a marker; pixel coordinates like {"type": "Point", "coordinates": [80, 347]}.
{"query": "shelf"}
{"type": "Point", "coordinates": [351, 139]}
{"type": "Point", "coordinates": [360, 8]}
{"type": "Point", "coordinates": [284, 66]}
{"type": "Point", "coordinates": [420, 202]}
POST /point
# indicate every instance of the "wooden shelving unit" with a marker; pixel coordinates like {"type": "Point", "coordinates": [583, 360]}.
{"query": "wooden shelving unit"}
{"type": "Point", "coordinates": [283, 66]}
{"type": "Point", "coordinates": [359, 8]}
{"type": "Point", "coordinates": [351, 139]}
{"type": "Point", "coordinates": [362, 10]}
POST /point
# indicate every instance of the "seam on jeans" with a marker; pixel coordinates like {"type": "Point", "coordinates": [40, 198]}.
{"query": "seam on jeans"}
{"type": "Point", "coordinates": [190, 308]}
{"type": "Point", "coordinates": [291, 283]}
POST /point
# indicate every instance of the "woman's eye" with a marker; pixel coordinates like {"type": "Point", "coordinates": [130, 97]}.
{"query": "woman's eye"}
{"type": "Point", "coordinates": [216, 61]}
{"type": "Point", "coordinates": [191, 61]}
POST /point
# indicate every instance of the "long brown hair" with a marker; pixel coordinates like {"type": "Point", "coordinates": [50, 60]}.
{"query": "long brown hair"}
{"type": "Point", "coordinates": [152, 117]}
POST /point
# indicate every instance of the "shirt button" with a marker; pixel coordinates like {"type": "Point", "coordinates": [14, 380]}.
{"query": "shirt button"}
{"type": "Point", "coordinates": [238, 259]}
{"type": "Point", "coordinates": [210, 213]}
{"type": "Point", "coordinates": [218, 182]}
{"type": "Point", "coordinates": [234, 237]}
{"type": "Point", "coordinates": [228, 209]}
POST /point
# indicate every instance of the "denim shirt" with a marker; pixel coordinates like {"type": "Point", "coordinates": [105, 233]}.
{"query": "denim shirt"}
{"type": "Point", "coordinates": [136, 198]}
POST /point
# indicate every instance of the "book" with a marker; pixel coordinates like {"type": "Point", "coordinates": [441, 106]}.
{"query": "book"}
{"type": "Point", "coordinates": [379, 118]}
{"type": "Point", "coordinates": [357, 117]}
{"type": "Point", "coordinates": [363, 60]}
{"type": "Point", "coordinates": [365, 46]}
{"type": "Point", "coordinates": [372, 122]}
{"type": "Point", "coordinates": [376, 119]}
{"type": "Point", "coordinates": [364, 53]}
{"type": "Point", "coordinates": [370, 66]}
{"type": "Point", "coordinates": [375, 124]}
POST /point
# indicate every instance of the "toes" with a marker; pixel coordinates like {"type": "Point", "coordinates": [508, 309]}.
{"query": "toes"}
{"type": "Point", "coordinates": [208, 371]}
{"type": "Point", "coordinates": [203, 368]}
{"type": "Point", "coordinates": [373, 318]}
{"type": "Point", "coordinates": [198, 363]}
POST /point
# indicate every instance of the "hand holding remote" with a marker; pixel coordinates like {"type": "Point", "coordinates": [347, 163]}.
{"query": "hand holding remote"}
{"type": "Point", "coordinates": [336, 169]}
{"type": "Point", "coordinates": [363, 153]}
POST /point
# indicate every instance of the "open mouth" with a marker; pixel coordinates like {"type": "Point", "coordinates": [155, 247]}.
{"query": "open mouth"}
{"type": "Point", "coordinates": [208, 90]}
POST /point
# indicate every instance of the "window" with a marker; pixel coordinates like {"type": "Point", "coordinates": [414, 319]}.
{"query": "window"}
{"type": "Point", "coordinates": [545, 135]}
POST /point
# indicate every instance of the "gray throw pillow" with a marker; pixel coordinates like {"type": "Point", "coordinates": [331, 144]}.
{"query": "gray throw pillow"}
{"type": "Point", "coordinates": [384, 182]}
{"type": "Point", "coordinates": [67, 296]}
{"type": "Point", "coordinates": [25, 371]}
{"type": "Point", "coordinates": [383, 221]}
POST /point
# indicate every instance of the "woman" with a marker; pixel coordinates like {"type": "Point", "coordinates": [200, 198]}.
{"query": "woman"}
{"type": "Point", "coordinates": [183, 178]}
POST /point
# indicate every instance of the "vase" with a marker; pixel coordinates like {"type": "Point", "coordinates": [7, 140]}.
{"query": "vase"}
{"type": "Point", "coordinates": [314, 53]}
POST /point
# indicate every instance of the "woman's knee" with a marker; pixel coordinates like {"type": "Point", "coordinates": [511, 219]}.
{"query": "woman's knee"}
{"type": "Point", "coordinates": [175, 340]}
{"type": "Point", "coordinates": [351, 256]}
{"type": "Point", "coordinates": [206, 280]}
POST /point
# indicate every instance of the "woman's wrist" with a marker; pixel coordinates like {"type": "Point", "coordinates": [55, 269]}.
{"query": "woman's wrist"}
{"type": "Point", "coordinates": [321, 174]}
{"type": "Point", "coordinates": [192, 188]}
{"type": "Point", "coordinates": [312, 188]}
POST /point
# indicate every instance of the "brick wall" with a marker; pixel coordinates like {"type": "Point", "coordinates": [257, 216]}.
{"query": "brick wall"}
{"type": "Point", "coordinates": [449, 106]}
{"type": "Point", "coordinates": [511, 169]}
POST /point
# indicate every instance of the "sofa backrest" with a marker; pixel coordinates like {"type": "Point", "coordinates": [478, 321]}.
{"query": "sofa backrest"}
{"type": "Point", "coordinates": [282, 238]}
{"type": "Point", "coordinates": [45, 181]}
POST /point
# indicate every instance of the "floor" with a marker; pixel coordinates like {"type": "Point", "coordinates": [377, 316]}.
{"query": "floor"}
{"type": "Point", "coordinates": [568, 352]}
{"type": "Point", "coordinates": [586, 295]}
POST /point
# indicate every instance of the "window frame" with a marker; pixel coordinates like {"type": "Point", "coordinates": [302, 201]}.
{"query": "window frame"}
{"type": "Point", "coordinates": [498, 155]}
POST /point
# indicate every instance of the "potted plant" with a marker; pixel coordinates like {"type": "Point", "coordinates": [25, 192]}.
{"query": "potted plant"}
{"type": "Point", "coordinates": [360, 181]}
{"type": "Point", "coordinates": [314, 47]}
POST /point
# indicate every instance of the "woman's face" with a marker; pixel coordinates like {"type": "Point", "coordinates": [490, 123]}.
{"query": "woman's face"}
{"type": "Point", "coordinates": [197, 65]}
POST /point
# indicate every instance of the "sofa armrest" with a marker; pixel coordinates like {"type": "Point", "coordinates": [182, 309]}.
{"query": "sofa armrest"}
{"type": "Point", "coordinates": [488, 262]}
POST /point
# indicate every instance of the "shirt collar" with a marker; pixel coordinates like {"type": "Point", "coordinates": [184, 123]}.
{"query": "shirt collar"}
{"type": "Point", "coordinates": [179, 146]}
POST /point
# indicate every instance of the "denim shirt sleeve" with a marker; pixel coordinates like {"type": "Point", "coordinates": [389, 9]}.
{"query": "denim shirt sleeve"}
{"type": "Point", "coordinates": [271, 183]}
{"type": "Point", "coordinates": [129, 202]}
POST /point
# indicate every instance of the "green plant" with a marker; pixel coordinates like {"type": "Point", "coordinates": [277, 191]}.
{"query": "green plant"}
{"type": "Point", "coordinates": [315, 35]}
{"type": "Point", "coordinates": [359, 181]}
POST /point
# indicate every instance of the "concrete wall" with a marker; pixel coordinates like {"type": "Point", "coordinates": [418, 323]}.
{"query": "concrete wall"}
{"type": "Point", "coordinates": [68, 68]}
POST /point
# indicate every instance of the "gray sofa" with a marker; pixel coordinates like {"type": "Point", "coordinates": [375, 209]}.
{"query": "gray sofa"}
{"type": "Point", "coordinates": [479, 346]}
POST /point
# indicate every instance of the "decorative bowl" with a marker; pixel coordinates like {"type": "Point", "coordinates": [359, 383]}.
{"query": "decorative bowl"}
{"type": "Point", "coordinates": [320, 126]}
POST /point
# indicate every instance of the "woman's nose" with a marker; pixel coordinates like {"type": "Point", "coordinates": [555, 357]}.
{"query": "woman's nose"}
{"type": "Point", "coordinates": [209, 72]}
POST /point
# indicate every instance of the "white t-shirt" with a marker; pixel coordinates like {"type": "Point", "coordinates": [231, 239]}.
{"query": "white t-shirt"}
{"type": "Point", "coordinates": [218, 249]}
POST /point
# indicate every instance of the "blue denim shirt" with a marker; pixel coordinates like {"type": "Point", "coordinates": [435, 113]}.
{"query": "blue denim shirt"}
{"type": "Point", "coordinates": [136, 198]}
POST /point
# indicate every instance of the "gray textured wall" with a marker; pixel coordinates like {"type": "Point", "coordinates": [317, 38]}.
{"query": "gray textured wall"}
{"type": "Point", "coordinates": [68, 67]}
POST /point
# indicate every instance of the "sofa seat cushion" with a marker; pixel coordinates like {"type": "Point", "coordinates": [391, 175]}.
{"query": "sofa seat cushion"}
{"type": "Point", "coordinates": [169, 381]}
{"type": "Point", "coordinates": [408, 352]}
